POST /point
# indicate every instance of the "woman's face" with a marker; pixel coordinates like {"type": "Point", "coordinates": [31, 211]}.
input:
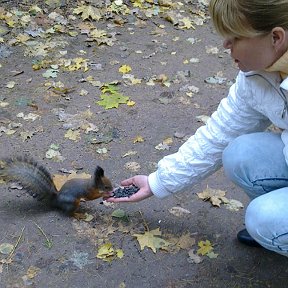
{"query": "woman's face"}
{"type": "Point", "coordinates": [257, 53]}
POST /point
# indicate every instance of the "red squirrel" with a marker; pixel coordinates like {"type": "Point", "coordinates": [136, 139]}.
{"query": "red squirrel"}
{"type": "Point", "coordinates": [37, 181]}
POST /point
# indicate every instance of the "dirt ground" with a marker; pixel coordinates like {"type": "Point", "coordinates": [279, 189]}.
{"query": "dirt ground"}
{"type": "Point", "coordinates": [53, 250]}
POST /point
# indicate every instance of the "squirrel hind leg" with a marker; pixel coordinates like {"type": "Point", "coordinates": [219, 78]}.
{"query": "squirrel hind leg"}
{"type": "Point", "coordinates": [67, 206]}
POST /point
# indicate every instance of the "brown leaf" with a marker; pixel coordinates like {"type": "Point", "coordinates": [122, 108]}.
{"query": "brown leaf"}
{"type": "Point", "coordinates": [216, 197]}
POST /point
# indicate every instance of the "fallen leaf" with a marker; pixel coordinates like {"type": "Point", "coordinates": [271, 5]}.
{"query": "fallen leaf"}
{"type": "Point", "coordinates": [179, 211]}
{"type": "Point", "coordinates": [50, 73]}
{"type": "Point", "coordinates": [88, 11]}
{"type": "Point", "coordinates": [212, 255]}
{"type": "Point", "coordinates": [129, 153]}
{"type": "Point", "coordinates": [234, 205]}
{"type": "Point", "coordinates": [29, 116]}
{"type": "Point", "coordinates": [216, 197]}
{"type": "Point", "coordinates": [211, 50]}
{"type": "Point", "coordinates": [125, 69]}
{"type": "Point", "coordinates": [32, 272]}
{"type": "Point", "coordinates": [107, 253]}
{"type": "Point", "coordinates": [80, 259]}
{"type": "Point", "coordinates": [132, 166]}
{"type": "Point", "coordinates": [204, 247]}
{"type": "Point", "coordinates": [11, 84]}
{"type": "Point", "coordinates": [112, 100]}
{"type": "Point", "coordinates": [6, 248]}
{"type": "Point", "coordinates": [138, 139]}
{"type": "Point", "coordinates": [102, 150]}
{"type": "Point", "coordinates": [193, 257]}
{"type": "Point", "coordinates": [119, 213]}
{"type": "Point", "coordinates": [185, 241]}
{"type": "Point", "coordinates": [152, 240]}
{"type": "Point", "coordinates": [73, 135]}
{"type": "Point", "coordinates": [162, 146]}
{"type": "Point", "coordinates": [26, 135]}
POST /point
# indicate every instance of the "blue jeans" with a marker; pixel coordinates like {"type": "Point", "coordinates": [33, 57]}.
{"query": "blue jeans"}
{"type": "Point", "coordinates": [256, 163]}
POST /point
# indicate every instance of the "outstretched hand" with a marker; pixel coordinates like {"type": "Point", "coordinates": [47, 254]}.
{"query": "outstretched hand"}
{"type": "Point", "coordinates": [140, 181]}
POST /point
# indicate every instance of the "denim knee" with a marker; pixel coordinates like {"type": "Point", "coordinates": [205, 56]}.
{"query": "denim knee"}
{"type": "Point", "coordinates": [256, 163]}
{"type": "Point", "coordinates": [266, 220]}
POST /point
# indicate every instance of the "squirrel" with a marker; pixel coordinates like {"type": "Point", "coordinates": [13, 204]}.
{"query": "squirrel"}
{"type": "Point", "coordinates": [37, 181]}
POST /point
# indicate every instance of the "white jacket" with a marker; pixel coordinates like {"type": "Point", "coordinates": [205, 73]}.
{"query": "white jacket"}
{"type": "Point", "coordinates": [256, 100]}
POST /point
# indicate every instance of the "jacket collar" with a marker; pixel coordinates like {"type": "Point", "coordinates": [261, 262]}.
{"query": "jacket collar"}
{"type": "Point", "coordinates": [281, 66]}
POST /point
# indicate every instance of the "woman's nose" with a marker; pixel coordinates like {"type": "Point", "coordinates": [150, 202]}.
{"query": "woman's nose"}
{"type": "Point", "coordinates": [227, 44]}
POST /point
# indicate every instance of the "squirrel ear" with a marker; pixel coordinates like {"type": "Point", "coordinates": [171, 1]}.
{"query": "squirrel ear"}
{"type": "Point", "coordinates": [98, 174]}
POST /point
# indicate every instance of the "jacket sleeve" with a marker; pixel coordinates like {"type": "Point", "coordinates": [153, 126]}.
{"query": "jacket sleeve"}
{"type": "Point", "coordinates": [201, 154]}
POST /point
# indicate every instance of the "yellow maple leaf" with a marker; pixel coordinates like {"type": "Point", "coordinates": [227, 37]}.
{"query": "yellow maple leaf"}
{"type": "Point", "coordinates": [138, 139]}
{"type": "Point", "coordinates": [131, 103]}
{"type": "Point", "coordinates": [187, 23]}
{"type": "Point", "coordinates": [107, 253]}
{"type": "Point", "coordinates": [168, 141]}
{"type": "Point", "coordinates": [205, 247]}
{"type": "Point", "coordinates": [88, 11]}
{"type": "Point", "coordinates": [125, 69]}
{"type": "Point", "coordinates": [138, 3]}
{"type": "Point", "coordinates": [73, 135]}
{"type": "Point", "coordinates": [96, 33]}
{"type": "Point", "coordinates": [11, 23]}
{"type": "Point", "coordinates": [152, 240]}
{"type": "Point", "coordinates": [22, 38]}
{"type": "Point", "coordinates": [32, 272]}
{"type": "Point", "coordinates": [135, 81]}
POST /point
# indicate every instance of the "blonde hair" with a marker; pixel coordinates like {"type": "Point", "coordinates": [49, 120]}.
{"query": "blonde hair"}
{"type": "Point", "coordinates": [248, 18]}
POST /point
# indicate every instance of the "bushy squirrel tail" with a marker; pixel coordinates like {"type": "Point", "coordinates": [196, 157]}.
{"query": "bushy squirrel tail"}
{"type": "Point", "coordinates": [34, 178]}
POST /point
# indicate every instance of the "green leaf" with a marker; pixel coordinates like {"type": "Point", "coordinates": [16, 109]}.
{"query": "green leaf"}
{"type": "Point", "coordinates": [112, 101]}
{"type": "Point", "coordinates": [50, 73]}
{"type": "Point", "coordinates": [6, 248]}
{"type": "Point", "coordinates": [121, 214]}
{"type": "Point", "coordinates": [110, 88]}
{"type": "Point", "coordinates": [118, 213]}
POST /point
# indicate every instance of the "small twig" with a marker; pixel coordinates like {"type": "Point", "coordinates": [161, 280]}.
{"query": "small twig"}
{"type": "Point", "coordinates": [144, 222]}
{"type": "Point", "coordinates": [48, 242]}
{"type": "Point", "coordinates": [15, 246]}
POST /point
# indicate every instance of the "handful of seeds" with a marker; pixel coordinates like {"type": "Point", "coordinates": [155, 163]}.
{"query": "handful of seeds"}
{"type": "Point", "coordinates": [126, 191]}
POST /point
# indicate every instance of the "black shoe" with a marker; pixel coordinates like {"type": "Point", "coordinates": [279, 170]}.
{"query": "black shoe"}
{"type": "Point", "coordinates": [244, 237]}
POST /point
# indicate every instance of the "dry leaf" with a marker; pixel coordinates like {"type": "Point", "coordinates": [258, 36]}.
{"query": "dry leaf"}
{"type": "Point", "coordinates": [152, 240]}
{"type": "Point", "coordinates": [125, 69]}
{"type": "Point", "coordinates": [6, 248]}
{"type": "Point", "coordinates": [88, 12]}
{"type": "Point", "coordinates": [129, 153]}
{"type": "Point", "coordinates": [107, 253]}
{"type": "Point", "coordinates": [205, 247]}
{"type": "Point", "coordinates": [185, 241]}
{"type": "Point", "coordinates": [138, 139]}
{"type": "Point", "coordinates": [73, 135]}
{"type": "Point", "coordinates": [194, 258]}
{"type": "Point", "coordinates": [234, 205]}
{"type": "Point", "coordinates": [216, 197]}
{"type": "Point", "coordinates": [132, 166]}
{"type": "Point", "coordinates": [179, 211]}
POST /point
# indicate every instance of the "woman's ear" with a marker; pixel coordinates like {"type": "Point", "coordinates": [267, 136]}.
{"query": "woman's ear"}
{"type": "Point", "coordinates": [279, 38]}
